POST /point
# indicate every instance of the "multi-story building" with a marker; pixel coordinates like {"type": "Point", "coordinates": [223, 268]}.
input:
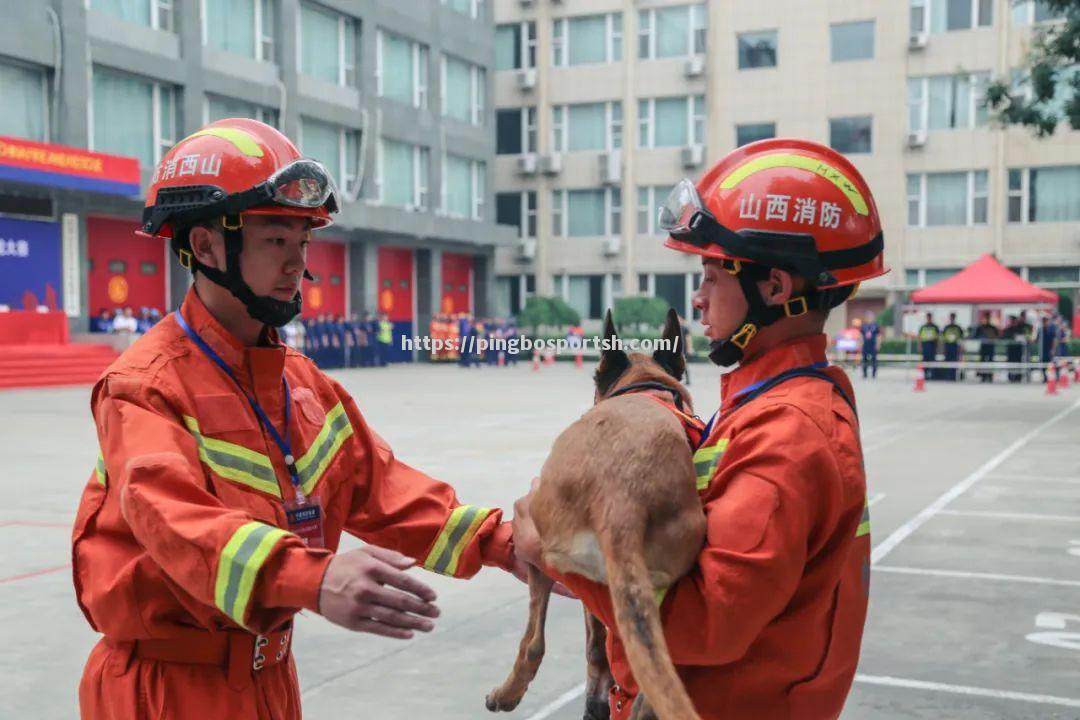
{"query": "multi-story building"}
{"type": "Point", "coordinates": [393, 97]}
{"type": "Point", "coordinates": [603, 105]}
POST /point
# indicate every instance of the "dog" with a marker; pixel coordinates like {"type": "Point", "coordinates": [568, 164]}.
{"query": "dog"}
{"type": "Point", "coordinates": [617, 503]}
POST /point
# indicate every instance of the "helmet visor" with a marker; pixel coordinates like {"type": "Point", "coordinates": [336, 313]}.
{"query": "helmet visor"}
{"type": "Point", "coordinates": [678, 211]}
{"type": "Point", "coordinates": [304, 184]}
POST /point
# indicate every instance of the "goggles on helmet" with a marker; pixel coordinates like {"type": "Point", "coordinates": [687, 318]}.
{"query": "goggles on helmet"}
{"type": "Point", "coordinates": [302, 183]}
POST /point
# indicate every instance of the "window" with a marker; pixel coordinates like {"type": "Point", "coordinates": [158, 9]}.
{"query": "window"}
{"type": "Point", "coordinates": [515, 46]}
{"type": "Point", "coordinates": [218, 108]}
{"type": "Point", "coordinates": [752, 132]}
{"type": "Point", "coordinates": [131, 116]}
{"type": "Point", "coordinates": [851, 135]}
{"type": "Point", "coordinates": [672, 289]}
{"type": "Point", "coordinates": [947, 15]}
{"type": "Point", "coordinates": [26, 101]}
{"type": "Point", "coordinates": [1046, 194]}
{"type": "Point", "coordinates": [517, 209]}
{"type": "Point", "coordinates": [587, 40]}
{"type": "Point", "coordinates": [157, 14]}
{"type": "Point", "coordinates": [472, 8]}
{"type": "Point", "coordinates": [650, 198]}
{"type": "Point", "coordinates": [1026, 12]}
{"type": "Point", "coordinates": [852, 41]}
{"type": "Point", "coordinates": [515, 131]}
{"type": "Point", "coordinates": [334, 146]}
{"type": "Point", "coordinates": [586, 213]}
{"type": "Point", "coordinates": [671, 122]}
{"type": "Point", "coordinates": [1065, 79]}
{"type": "Point", "coordinates": [954, 198]}
{"type": "Point", "coordinates": [587, 126]}
{"type": "Point", "coordinates": [464, 187]}
{"type": "Point", "coordinates": [585, 293]}
{"type": "Point", "coordinates": [328, 45]}
{"type": "Point", "coordinates": [1062, 274]}
{"type": "Point", "coordinates": [243, 27]}
{"type": "Point", "coordinates": [401, 175]}
{"type": "Point", "coordinates": [757, 49]}
{"type": "Point", "coordinates": [671, 32]}
{"type": "Point", "coordinates": [948, 102]}
{"type": "Point", "coordinates": [401, 69]}
{"type": "Point", "coordinates": [463, 89]}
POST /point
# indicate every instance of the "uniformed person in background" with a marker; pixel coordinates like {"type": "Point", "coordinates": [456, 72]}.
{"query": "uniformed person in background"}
{"type": "Point", "coordinates": [928, 340]}
{"type": "Point", "coordinates": [1048, 342]}
{"type": "Point", "coordinates": [988, 333]}
{"type": "Point", "coordinates": [951, 337]}
{"type": "Point", "coordinates": [871, 343]}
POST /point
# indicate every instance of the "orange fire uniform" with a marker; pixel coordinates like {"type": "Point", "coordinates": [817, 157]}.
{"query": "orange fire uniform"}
{"type": "Point", "coordinates": [182, 556]}
{"type": "Point", "coordinates": [769, 623]}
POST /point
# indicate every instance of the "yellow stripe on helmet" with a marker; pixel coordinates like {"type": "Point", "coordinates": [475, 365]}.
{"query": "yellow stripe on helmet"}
{"type": "Point", "coordinates": [802, 162]}
{"type": "Point", "coordinates": [243, 141]}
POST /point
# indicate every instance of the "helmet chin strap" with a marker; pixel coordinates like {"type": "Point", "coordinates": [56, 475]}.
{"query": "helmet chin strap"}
{"type": "Point", "coordinates": [265, 309]}
{"type": "Point", "coordinates": [759, 315]}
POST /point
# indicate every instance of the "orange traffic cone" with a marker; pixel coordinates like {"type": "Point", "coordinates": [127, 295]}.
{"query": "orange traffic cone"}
{"type": "Point", "coordinates": [920, 379]}
{"type": "Point", "coordinates": [550, 358]}
{"type": "Point", "coordinates": [502, 359]}
{"type": "Point", "coordinates": [536, 361]}
{"type": "Point", "coordinates": [1076, 372]}
{"type": "Point", "coordinates": [579, 360]}
{"type": "Point", "coordinates": [1063, 378]}
{"type": "Point", "coordinates": [1051, 379]}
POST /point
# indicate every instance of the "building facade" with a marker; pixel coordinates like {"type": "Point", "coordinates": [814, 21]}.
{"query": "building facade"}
{"type": "Point", "coordinates": [395, 98]}
{"type": "Point", "coordinates": [603, 105]}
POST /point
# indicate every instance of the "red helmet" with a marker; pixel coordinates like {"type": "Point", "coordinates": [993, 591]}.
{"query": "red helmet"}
{"type": "Point", "coordinates": [786, 203]}
{"type": "Point", "coordinates": [236, 167]}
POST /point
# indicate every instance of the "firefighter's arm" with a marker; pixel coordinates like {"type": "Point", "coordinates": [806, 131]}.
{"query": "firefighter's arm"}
{"type": "Point", "coordinates": [254, 572]}
{"type": "Point", "coordinates": [399, 507]}
{"type": "Point", "coordinates": [758, 530]}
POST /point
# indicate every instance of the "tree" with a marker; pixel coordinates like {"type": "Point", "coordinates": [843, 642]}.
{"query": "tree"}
{"type": "Point", "coordinates": [547, 311]}
{"type": "Point", "coordinates": [637, 311]}
{"type": "Point", "coordinates": [1050, 92]}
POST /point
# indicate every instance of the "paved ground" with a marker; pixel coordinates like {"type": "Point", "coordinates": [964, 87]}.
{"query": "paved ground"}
{"type": "Point", "coordinates": [976, 526]}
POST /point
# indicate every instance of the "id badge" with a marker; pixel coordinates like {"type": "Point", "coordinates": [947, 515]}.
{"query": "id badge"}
{"type": "Point", "coordinates": [306, 520]}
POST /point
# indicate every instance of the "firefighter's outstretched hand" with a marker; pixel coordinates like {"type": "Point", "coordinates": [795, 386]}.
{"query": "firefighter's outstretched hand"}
{"type": "Point", "coordinates": [368, 590]}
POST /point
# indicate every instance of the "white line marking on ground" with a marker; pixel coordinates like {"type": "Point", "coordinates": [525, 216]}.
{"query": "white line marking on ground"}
{"type": "Point", "coordinates": [558, 703]}
{"type": "Point", "coordinates": [1036, 478]}
{"type": "Point", "coordinates": [976, 575]}
{"type": "Point", "coordinates": [1009, 515]}
{"type": "Point", "coordinates": [967, 690]}
{"type": "Point", "coordinates": [904, 531]}
{"type": "Point", "coordinates": [876, 499]}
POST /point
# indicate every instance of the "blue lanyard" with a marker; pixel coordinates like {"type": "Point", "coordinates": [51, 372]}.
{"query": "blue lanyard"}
{"type": "Point", "coordinates": [281, 442]}
{"type": "Point", "coordinates": [751, 388]}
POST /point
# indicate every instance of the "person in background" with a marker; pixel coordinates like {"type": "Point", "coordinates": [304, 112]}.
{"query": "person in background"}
{"type": "Point", "coordinates": [871, 344]}
{"type": "Point", "coordinates": [356, 332]}
{"type": "Point", "coordinates": [385, 338]}
{"type": "Point", "coordinates": [951, 336]}
{"type": "Point", "coordinates": [513, 340]}
{"type": "Point", "coordinates": [466, 336]}
{"type": "Point", "coordinates": [988, 333]}
{"type": "Point", "coordinates": [125, 323]}
{"type": "Point", "coordinates": [928, 340]}
{"type": "Point", "coordinates": [371, 327]}
{"type": "Point", "coordinates": [102, 323]}
{"type": "Point", "coordinates": [1048, 342]}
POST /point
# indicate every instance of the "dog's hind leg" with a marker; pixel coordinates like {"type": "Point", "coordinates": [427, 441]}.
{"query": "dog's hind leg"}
{"type": "Point", "coordinates": [598, 679]}
{"type": "Point", "coordinates": [531, 651]}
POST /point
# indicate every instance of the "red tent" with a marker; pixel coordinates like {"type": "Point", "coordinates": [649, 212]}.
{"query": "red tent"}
{"type": "Point", "coordinates": [984, 282]}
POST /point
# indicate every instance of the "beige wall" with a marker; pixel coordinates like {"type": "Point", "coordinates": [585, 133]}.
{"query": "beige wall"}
{"type": "Point", "coordinates": [800, 95]}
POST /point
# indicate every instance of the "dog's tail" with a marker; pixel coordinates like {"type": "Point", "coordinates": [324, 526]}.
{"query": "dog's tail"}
{"type": "Point", "coordinates": [637, 615]}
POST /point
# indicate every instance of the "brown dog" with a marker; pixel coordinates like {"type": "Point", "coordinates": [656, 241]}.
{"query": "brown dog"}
{"type": "Point", "coordinates": [617, 504]}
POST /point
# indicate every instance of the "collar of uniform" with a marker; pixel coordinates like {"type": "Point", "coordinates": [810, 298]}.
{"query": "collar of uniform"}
{"type": "Point", "coordinates": [798, 352]}
{"type": "Point", "coordinates": [266, 361]}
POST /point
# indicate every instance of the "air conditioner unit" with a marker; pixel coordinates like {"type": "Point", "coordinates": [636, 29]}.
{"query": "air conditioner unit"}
{"type": "Point", "coordinates": [526, 249]}
{"type": "Point", "coordinates": [695, 66]}
{"type": "Point", "coordinates": [526, 78]}
{"type": "Point", "coordinates": [611, 168]}
{"type": "Point", "coordinates": [918, 41]}
{"type": "Point", "coordinates": [612, 246]}
{"type": "Point", "coordinates": [916, 139]}
{"type": "Point", "coordinates": [527, 164]}
{"type": "Point", "coordinates": [693, 156]}
{"type": "Point", "coordinates": [551, 164]}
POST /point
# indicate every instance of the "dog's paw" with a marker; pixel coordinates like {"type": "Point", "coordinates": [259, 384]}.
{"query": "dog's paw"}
{"type": "Point", "coordinates": [495, 702]}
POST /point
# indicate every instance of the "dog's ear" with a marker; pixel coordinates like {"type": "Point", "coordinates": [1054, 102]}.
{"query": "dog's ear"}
{"type": "Point", "coordinates": [613, 361]}
{"type": "Point", "coordinates": [670, 355]}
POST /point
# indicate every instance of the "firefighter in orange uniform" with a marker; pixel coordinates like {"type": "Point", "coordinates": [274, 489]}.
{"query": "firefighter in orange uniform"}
{"type": "Point", "coordinates": [230, 465]}
{"type": "Point", "coordinates": [770, 622]}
